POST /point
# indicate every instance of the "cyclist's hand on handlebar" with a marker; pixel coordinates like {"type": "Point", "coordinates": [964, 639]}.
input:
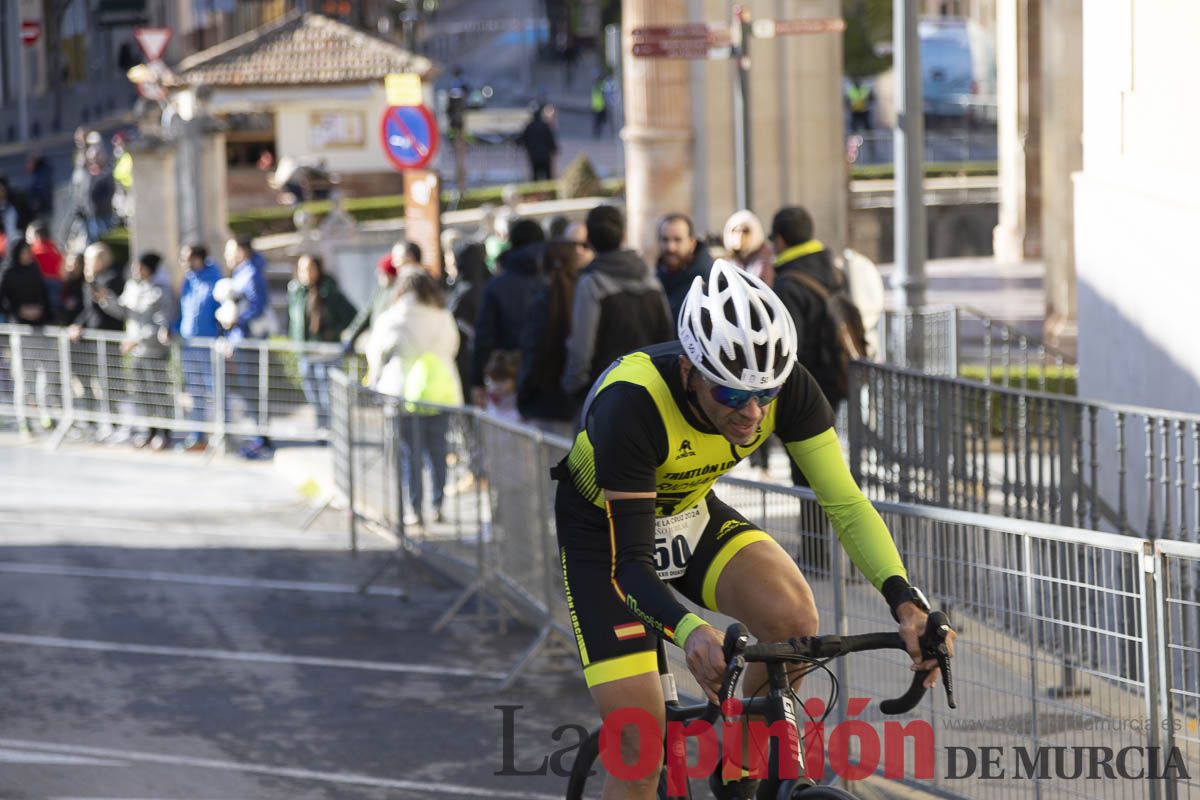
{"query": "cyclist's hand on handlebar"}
{"type": "Point", "coordinates": [912, 627]}
{"type": "Point", "coordinates": [706, 659]}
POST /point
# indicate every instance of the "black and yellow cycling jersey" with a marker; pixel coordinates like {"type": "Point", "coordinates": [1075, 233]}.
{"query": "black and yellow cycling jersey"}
{"type": "Point", "coordinates": [641, 435]}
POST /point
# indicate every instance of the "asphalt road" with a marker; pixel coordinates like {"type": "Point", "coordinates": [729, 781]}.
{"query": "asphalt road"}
{"type": "Point", "coordinates": [167, 631]}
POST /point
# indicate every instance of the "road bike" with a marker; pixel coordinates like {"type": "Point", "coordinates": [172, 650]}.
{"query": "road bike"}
{"type": "Point", "coordinates": [779, 704]}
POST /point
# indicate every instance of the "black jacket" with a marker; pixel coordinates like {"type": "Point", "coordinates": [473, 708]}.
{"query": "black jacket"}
{"type": "Point", "coordinates": [93, 316]}
{"type": "Point", "coordinates": [505, 305]}
{"type": "Point", "coordinates": [539, 140]}
{"type": "Point", "coordinates": [619, 307]}
{"type": "Point", "coordinates": [22, 285]}
{"type": "Point", "coordinates": [807, 309]}
{"type": "Point", "coordinates": [676, 284]}
{"type": "Point", "coordinates": [543, 356]}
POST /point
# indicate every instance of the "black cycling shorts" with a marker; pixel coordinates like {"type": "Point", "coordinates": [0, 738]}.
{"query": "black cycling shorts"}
{"type": "Point", "coordinates": [613, 643]}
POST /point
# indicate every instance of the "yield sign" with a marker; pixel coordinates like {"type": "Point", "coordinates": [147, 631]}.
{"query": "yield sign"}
{"type": "Point", "coordinates": [153, 41]}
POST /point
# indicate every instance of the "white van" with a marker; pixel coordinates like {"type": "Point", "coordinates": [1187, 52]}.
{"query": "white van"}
{"type": "Point", "coordinates": [958, 71]}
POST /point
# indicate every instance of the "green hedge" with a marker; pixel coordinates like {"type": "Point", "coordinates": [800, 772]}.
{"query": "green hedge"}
{"type": "Point", "coordinates": [278, 219]}
{"type": "Point", "coordinates": [933, 169]}
{"type": "Point", "coordinates": [1058, 381]}
{"type": "Point", "coordinates": [1006, 408]}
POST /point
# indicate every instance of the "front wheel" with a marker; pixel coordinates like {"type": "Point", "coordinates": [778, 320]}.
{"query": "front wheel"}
{"type": "Point", "coordinates": [586, 781]}
{"type": "Point", "coordinates": [790, 791]}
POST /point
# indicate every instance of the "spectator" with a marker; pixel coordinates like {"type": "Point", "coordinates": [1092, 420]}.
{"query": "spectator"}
{"type": "Point", "coordinates": [41, 186]}
{"type": "Point", "coordinates": [71, 298]}
{"type": "Point", "coordinates": [464, 300]}
{"type": "Point", "coordinates": [23, 299]}
{"type": "Point", "coordinates": [252, 320]}
{"type": "Point", "coordinates": [496, 242]}
{"type": "Point", "coordinates": [506, 300]}
{"type": "Point", "coordinates": [747, 245]}
{"type": "Point", "coordinates": [146, 311]}
{"type": "Point", "coordinates": [541, 145]}
{"type": "Point", "coordinates": [100, 190]}
{"type": "Point", "coordinates": [681, 259]}
{"type": "Point", "coordinates": [100, 275]}
{"type": "Point", "coordinates": [10, 228]}
{"type": "Point", "coordinates": [500, 382]}
{"type": "Point", "coordinates": [599, 104]}
{"type": "Point", "coordinates": [618, 306]}
{"type": "Point", "coordinates": [197, 323]}
{"type": "Point", "coordinates": [556, 228]}
{"type": "Point", "coordinates": [23, 296]}
{"type": "Point", "coordinates": [49, 260]}
{"type": "Point", "coordinates": [540, 396]}
{"type": "Point", "coordinates": [798, 253]}
{"type": "Point", "coordinates": [577, 233]}
{"type": "Point", "coordinates": [411, 354]}
{"type": "Point", "coordinates": [317, 312]}
{"type": "Point", "coordinates": [381, 298]}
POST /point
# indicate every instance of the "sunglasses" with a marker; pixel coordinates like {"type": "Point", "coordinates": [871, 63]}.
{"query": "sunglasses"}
{"type": "Point", "coordinates": [739, 398]}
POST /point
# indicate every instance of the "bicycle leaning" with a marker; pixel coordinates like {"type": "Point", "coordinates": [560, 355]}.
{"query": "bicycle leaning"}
{"type": "Point", "coordinates": [778, 705]}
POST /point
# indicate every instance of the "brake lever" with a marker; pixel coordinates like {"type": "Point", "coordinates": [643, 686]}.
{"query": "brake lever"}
{"type": "Point", "coordinates": [933, 645]}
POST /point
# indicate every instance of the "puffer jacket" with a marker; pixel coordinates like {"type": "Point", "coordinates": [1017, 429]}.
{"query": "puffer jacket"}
{"type": "Point", "coordinates": [146, 311]}
{"type": "Point", "coordinates": [405, 334]}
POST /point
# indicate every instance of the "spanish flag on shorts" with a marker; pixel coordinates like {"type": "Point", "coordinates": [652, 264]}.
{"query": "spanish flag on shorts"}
{"type": "Point", "coordinates": [630, 630]}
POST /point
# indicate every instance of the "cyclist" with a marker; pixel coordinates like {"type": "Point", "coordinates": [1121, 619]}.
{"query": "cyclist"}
{"type": "Point", "coordinates": [635, 509]}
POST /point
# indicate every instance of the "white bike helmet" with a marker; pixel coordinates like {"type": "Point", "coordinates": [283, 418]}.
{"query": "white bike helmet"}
{"type": "Point", "coordinates": [736, 331]}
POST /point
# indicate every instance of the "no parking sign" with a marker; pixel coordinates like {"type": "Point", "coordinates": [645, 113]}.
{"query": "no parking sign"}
{"type": "Point", "coordinates": [410, 136]}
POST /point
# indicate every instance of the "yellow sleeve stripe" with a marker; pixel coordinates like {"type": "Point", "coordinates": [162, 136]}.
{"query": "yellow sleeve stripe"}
{"type": "Point", "coordinates": [683, 630]}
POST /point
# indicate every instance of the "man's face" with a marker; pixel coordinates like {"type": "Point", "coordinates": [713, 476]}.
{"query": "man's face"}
{"type": "Point", "coordinates": [577, 233]}
{"type": "Point", "coordinates": [189, 261]}
{"type": "Point", "coordinates": [740, 425]}
{"type": "Point", "coordinates": [675, 246]}
{"type": "Point", "coordinates": [232, 251]}
{"type": "Point", "coordinates": [739, 239]}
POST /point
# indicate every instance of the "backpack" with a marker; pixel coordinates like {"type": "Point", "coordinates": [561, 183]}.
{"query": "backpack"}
{"type": "Point", "coordinates": [843, 337]}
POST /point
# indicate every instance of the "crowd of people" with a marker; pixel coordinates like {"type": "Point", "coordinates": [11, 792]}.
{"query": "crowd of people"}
{"type": "Point", "coordinates": [521, 322]}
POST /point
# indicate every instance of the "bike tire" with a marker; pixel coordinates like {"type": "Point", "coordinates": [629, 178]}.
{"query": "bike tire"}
{"type": "Point", "coordinates": [820, 793]}
{"type": "Point", "coordinates": [581, 785]}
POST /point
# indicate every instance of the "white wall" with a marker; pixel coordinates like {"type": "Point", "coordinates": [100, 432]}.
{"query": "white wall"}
{"type": "Point", "coordinates": [293, 130]}
{"type": "Point", "coordinates": [1136, 206]}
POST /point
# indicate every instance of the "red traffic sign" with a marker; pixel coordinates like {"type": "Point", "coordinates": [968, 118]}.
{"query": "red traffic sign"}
{"type": "Point", "coordinates": [410, 136]}
{"type": "Point", "coordinates": [153, 41]}
{"type": "Point", "coordinates": [31, 31]}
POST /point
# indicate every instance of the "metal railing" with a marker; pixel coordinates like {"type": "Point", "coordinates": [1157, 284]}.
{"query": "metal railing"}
{"type": "Point", "coordinates": [939, 340]}
{"type": "Point", "coordinates": [961, 444]}
{"type": "Point", "coordinates": [1069, 638]}
{"type": "Point", "coordinates": [210, 387]}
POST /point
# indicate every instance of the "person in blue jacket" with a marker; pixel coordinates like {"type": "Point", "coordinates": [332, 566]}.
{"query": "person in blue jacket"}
{"type": "Point", "coordinates": [196, 323]}
{"type": "Point", "coordinates": [253, 320]}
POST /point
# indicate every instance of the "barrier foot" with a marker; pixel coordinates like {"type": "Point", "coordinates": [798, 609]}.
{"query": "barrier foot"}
{"type": "Point", "coordinates": [59, 436]}
{"type": "Point", "coordinates": [1069, 687]}
{"type": "Point", "coordinates": [476, 587]}
{"type": "Point", "coordinates": [545, 641]}
{"type": "Point", "coordinates": [316, 513]}
{"type": "Point", "coordinates": [397, 558]}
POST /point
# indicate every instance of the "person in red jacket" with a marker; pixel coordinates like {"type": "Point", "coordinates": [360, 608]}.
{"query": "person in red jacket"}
{"type": "Point", "coordinates": [49, 261]}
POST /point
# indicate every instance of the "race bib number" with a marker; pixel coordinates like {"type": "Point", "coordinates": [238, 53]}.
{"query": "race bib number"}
{"type": "Point", "coordinates": [676, 538]}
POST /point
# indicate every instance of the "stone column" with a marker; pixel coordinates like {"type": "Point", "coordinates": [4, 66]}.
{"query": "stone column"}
{"type": "Point", "coordinates": [1018, 83]}
{"type": "Point", "coordinates": [1062, 150]}
{"type": "Point", "coordinates": [155, 221]}
{"type": "Point", "coordinates": [657, 132]}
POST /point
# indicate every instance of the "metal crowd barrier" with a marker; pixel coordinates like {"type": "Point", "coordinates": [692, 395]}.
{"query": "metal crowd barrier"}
{"type": "Point", "coordinates": [1069, 638]}
{"type": "Point", "coordinates": [206, 386]}
{"type": "Point", "coordinates": [961, 444]}
{"type": "Point", "coordinates": [938, 340]}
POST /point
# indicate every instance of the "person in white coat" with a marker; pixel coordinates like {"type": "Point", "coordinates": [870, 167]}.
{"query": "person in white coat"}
{"type": "Point", "coordinates": [411, 355]}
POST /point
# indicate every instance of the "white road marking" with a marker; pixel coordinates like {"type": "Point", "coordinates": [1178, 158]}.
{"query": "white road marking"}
{"type": "Point", "coordinates": [348, 778]}
{"type": "Point", "coordinates": [12, 756]}
{"type": "Point", "coordinates": [234, 655]}
{"type": "Point", "coordinates": [86, 523]}
{"type": "Point", "coordinates": [193, 579]}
